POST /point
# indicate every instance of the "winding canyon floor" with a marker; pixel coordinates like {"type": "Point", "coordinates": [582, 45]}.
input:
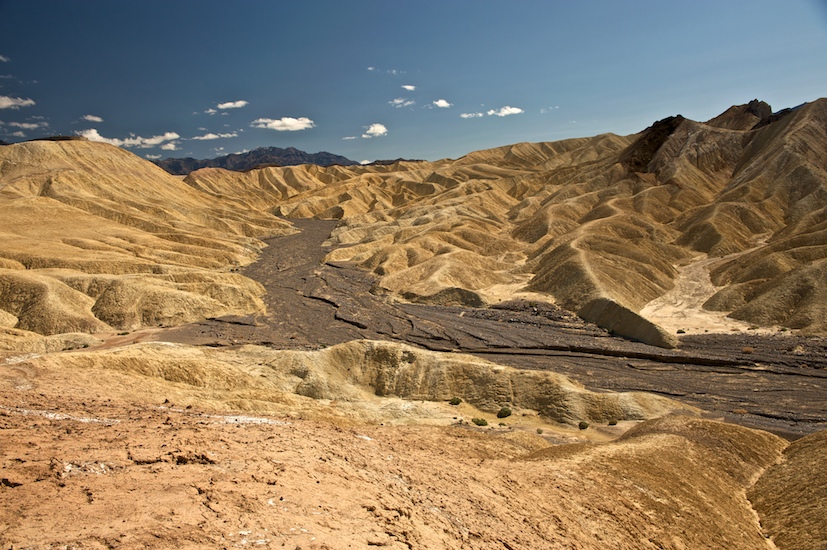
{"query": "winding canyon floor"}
{"type": "Point", "coordinates": [771, 381]}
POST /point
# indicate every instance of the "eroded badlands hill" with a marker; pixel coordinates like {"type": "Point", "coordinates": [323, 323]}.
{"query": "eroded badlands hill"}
{"type": "Point", "coordinates": [603, 225]}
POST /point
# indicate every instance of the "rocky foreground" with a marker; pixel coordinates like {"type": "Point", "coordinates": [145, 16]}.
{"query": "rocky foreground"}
{"type": "Point", "coordinates": [165, 446]}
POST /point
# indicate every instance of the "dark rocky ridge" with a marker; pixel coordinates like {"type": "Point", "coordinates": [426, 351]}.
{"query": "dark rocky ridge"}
{"type": "Point", "coordinates": [257, 158]}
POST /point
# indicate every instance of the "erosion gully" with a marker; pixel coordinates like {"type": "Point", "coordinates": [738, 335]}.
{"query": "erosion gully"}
{"type": "Point", "coordinates": [773, 382]}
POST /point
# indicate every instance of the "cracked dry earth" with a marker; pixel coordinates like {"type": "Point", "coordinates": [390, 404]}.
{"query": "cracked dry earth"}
{"type": "Point", "coordinates": [776, 382]}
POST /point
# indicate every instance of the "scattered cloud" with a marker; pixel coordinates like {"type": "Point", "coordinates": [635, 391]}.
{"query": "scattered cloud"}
{"type": "Point", "coordinates": [153, 157]}
{"type": "Point", "coordinates": [134, 141]}
{"type": "Point", "coordinates": [92, 118]}
{"type": "Point", "coordinates": [442, 104]}
{"type": "Point", "coordinates": [232, 104]}
{"type": "Point", "coordinates": [546, 110]}
{"type": "Point", "coordinates": [400, 102]}
{"type": "Point", "coordinates": [18, 134]}
{"type": "Point", "coordinates": [211, 135]}
{"type": "Point", "coordinates": [472, 115]}
{"type": "Point", "coordinates": [4, 59]}
{"type": "Point", "coordinates": [375, 130]}
{"type": "Point", "coordinates": [409, 87]}
{"type": "Point", "coordinates": [394, 72]}
{"type": "Point", "coordinates": [284, 124]}
{"type": "Point", "coordinates": [7, 102]}
{"type": "Point", "coordinates": [210, 111]}
{"type": "Point", "coordinates": [348, 138]}
{"type": "Point", "coordinates": [505, 111]}
{"type": "Point", "coordinates": [28, 125]}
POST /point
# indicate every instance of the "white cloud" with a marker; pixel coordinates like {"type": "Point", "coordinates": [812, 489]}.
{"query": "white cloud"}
{"type": "Point", "coordinates": [134, 141]}
{"type": "Point", "coordinates": [375, 130]}
{"type": "Point", "coordinates": [442, 104]}
{"type": "Point", "coordinates": [210, 111]}
{"type": "Point", "coordinates": [546, 110]}
{"type": "Point", "coordinates": [92, 118]}
{"type": "Point", "coordinates": [153, 157]}
{"type": "Point", "coordinates": [232, 104]}
{"type": "Point", "coordinates": [348, 138]}
{"type": "Point", "coordinates": [4, 59]}
{"type": "Point", "coordinates": [284, 124]}
{"type": "Point", "coordinates": [400, 102]}
{"type": "Point", "coordinates": [29, 125]}
{"type": "Point", "coordinates": [18, 134]}
{"type": "Point", "coordinates": [211, 135]}
{"type": "Point", "coordinates": [505, 111]}
{"type": "Point", "coordinates": [7, 102]}
{"type": "Point", "coordinates": [364, 162]}
{"type": "Point", "coordinates": [471, 115]}
{"type": "Point", "coordinates": [409, 87]}
{"type": "Point", "coordinates": [371, 68]}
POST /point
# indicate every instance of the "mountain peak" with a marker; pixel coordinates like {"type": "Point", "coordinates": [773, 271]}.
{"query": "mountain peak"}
{"type": "Point", "coordinates": [257, 158]}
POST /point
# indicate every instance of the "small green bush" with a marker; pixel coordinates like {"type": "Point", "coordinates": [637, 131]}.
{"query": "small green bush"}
{"type": "Point", "coordinates": [613, 422]}
{"type": "Point", "coordinates": [480, 421]}
{"type": "Point", "coordinates": [455, 401]}
{"type": "Point", "coordinates": [505, 412]}
{"type": "Point", "coordinates": [583, 425]}
{"type": "Point", "coordinates": [540, 431]}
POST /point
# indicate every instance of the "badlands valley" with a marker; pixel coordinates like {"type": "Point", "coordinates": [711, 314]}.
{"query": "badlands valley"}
{"type": "Point", "coordinates": [603, 342]}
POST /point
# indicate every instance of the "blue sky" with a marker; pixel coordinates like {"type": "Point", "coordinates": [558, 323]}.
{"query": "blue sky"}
{"type": "Point", "coordinates": [382, 79]}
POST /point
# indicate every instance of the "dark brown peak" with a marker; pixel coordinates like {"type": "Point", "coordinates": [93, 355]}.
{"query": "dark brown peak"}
{"type": "Point", "coordinates": [760, 109]}
{"type": "Point", "coordinates": [637, 156]}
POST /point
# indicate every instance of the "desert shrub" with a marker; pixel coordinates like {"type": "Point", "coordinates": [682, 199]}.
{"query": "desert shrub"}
{"type": "Point", "coordinates": [613, 422]}
{"type": "Point", "coordinates": [480, 421]}
{"type": "Point", "coordinates": [747, 349]}
{"type": "Point", "coordinates": [540, 431]}
{"type": "Point", "coordinates": [681, 331]}
{"type": "Point", "coordinates": [583, 425]}
{"type": "Point", "coordinates": [455, 401]}
{"type": "Point", "coordinates": [505, 412]}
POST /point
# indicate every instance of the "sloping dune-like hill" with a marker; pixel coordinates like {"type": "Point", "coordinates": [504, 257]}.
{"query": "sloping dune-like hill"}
{"type": "Point", "coordinates": [96, 239]}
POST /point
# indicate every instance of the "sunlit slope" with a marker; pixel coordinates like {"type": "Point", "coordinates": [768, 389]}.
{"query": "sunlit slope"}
{"type": "Point", "coordinates": [95, 238]}
{"type": "Point", "coordinates": [601, 224]}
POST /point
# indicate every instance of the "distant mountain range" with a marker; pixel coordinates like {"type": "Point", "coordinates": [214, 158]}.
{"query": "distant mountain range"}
{"type": "Point", "coordinates": [257, 158]}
